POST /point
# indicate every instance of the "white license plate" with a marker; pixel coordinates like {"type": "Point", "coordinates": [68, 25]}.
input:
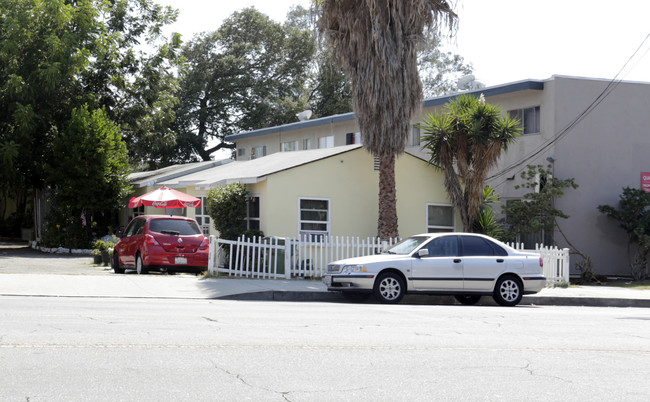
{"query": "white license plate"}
{"type": "Point", "coordinates": [180, 260]}
{"type": "Point", "coordinates": [327, 280]}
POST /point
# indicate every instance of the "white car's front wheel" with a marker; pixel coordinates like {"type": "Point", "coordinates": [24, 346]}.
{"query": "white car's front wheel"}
{"type": "Point", "coordinates": [389, 288]}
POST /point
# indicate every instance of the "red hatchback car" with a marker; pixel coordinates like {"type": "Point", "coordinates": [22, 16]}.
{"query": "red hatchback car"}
{"type": "Point", "coordinates": [164, 243]}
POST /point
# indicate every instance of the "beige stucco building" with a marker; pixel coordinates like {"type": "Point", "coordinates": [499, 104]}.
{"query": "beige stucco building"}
{"type": "Point", "coordinates": [595, 131]}
{"type": "Point", "coordinates": [327, 191]}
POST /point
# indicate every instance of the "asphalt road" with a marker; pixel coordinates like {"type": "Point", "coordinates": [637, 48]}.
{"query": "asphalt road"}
{"type": "Point", "coordinates": [79, 349]}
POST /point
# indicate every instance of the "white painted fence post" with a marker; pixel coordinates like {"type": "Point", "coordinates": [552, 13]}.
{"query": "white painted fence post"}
{"type": "Point", "coordinates": [211, 255]}
{"type": "Point", "coordinates": [287, 258]}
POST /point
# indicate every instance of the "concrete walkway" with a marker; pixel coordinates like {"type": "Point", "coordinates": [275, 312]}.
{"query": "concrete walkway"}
{"type": "Point", "coordinates": [26, 272]}
{"type": "Point", "coordinates": [191, 287]}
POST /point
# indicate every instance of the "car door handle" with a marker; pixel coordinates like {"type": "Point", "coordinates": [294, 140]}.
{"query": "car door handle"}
{"type": "Point", "coordinates": [499, 259]}
{"type": "Point", "coordinates": [457, 260]}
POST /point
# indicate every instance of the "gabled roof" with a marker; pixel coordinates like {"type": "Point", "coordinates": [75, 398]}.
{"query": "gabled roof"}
{"type": "Point", "coordinates": [518, 86]}
{"type": "Point", "coordinates": [256, 170]}
{"type": "Point", "coordinates": [154, 177]}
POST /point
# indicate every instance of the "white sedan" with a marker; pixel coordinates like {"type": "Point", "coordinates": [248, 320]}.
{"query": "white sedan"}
{"type": "Point", "coordinates": [464, 265]}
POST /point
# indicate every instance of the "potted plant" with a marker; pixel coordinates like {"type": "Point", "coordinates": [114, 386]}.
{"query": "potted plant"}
{"type": "Point", "coordinates": [103, 250]}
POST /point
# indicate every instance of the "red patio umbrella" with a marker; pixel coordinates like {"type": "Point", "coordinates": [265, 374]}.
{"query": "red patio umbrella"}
{"type": "Point", "coordinates": [165, 197]}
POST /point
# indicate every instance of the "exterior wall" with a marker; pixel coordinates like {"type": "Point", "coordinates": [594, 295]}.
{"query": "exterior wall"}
{"type": "Point", "coordinates": [350, 182]}
{"type": "Point", "coordinates": [273, 142]}
{"type": "Point", "coordinates": [605, 152]}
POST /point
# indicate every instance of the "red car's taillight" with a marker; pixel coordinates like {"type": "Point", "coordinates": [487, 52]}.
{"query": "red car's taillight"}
{"type": "Point", "coordinates": [205, 244]}
{"type": "Point", "coordinates": [541, 262]}
{"type": "Point", "coordinates": [150, 240]}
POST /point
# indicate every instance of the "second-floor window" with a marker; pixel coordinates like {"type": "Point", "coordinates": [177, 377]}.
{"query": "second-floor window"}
{"type": "Point", "coordinates": [289, 146]}
{"type": "Point", "coordinates": [529, 119]}
{"type": "Point", "coordinates": [258, 152]}
{"type": "Point", "coordinates": [326, 142]}
{"type": "Point", "coordinates": [352, 138]}
{"type": "Point", "coordinates": [414, 137]}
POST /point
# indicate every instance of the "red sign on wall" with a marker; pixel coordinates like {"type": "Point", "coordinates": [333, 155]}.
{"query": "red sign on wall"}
{"type": "Point", "coordinates": [645, 181]}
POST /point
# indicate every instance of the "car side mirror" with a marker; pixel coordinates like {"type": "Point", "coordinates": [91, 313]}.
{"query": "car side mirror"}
{"type": "Point", "coordinates": [423, 253]}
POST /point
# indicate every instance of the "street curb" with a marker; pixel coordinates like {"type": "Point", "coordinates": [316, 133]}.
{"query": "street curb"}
{"type": "Point", "coordinates": [296, 296]}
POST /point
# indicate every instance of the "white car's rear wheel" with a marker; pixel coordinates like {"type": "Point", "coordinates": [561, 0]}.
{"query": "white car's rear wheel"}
{"type": "Point", "coordinates": [508, 291]}
{"type": "Point", "coordinates": [389, 288]}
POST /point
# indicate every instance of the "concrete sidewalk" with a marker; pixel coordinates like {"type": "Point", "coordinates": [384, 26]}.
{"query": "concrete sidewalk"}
{"type": "Point", "coordinates": [191, 287]}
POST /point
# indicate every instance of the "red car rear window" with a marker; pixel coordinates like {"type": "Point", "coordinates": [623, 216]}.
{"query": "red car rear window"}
{"type": "Point", "coordinates": [175, 227]}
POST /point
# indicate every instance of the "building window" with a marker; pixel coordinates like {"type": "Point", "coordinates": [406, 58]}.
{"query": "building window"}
{"type": "Point", "coordinates": [414, 138]}
{"type": "Point", "coordinates": [289, 146]}
{"type": "Point", "coordinates": [352, 138]}
{"type": "Point", "coordinates": [307, 143]}
{"type": "Point", "coordinates": [258, 152]}
{"type": "Point", "coordinates": [253, 213]}
{"type": "Point", "coordinates": [314, 217]}
{"type": "Point", "coordinates": [202, 217]}
{"type": "Point", "coordinates": [528, 119]}
{"type": "Point", "coordinates": [326, 142]}
{"type": "Point", "coordinates": [138, 211]}
{"type": "Point", "coordinates": [440, 218]}
{"type": "Point", "coordinates": [241, 152]}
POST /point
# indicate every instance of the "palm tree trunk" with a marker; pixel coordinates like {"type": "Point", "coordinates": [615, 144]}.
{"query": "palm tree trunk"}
{"type": "Point", "coordinates": [387, 222]}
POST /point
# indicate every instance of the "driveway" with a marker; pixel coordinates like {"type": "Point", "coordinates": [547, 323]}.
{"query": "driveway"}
{"type": "Point", "coordinates": [18, 258]}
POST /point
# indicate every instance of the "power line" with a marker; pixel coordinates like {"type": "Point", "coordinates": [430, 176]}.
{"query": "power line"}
{"type": "Point", "coordinates": [601, 97]}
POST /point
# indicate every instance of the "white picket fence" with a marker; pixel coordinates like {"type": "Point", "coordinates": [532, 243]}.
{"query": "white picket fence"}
{"type": "Point", "coordinates": [287, 258]}
{"type": "Point", "coordinates": [278, 258]}
{"type": "Point", "coordinates": [555, 260]}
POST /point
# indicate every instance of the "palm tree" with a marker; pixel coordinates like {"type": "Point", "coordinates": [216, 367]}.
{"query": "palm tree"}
{"type": "Point", "coordinates": [465, 141]}
{"type": "Point", "coordinates": [376, 43]}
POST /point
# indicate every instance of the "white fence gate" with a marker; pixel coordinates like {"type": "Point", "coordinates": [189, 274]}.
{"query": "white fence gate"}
{"type": "Point", "coordinates": [280, 258]}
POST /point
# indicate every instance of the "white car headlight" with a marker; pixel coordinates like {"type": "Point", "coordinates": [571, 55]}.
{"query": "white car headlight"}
{"type": "Point", "coordinates": [353, 268]}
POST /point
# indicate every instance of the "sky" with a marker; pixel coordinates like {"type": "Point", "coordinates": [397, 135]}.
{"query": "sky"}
{"type": "Point", "coordinates": [504, 40]}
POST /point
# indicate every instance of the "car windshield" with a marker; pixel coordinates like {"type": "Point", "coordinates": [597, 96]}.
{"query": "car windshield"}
{"type": "Point", "coordinates": [407, 246]}
{"type": "Point", "coordinates": [174, 227]}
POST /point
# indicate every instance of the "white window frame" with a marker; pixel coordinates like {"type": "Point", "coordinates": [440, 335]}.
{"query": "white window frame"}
{"type": "Point", "coordinates": [290, 146]}
{"type": "Point", "coordinates": [258, 219]}
{"type": "Point", "coordinates": [306, 143]}
{"type": "Point", "coordinates": [440, 228]}
{"type": "Point", "coordinates": [201, 215]}
{"type": "Point", "coordinates": [254, 154]}
{"type": "Point", "coordinates": [414, 137]}
{"type": "Point", "coordinates": [524, 123]}
{"type": "Point", "coordinates": [326, 232]}
{"type": "Point", "coordinates": [326, 142]}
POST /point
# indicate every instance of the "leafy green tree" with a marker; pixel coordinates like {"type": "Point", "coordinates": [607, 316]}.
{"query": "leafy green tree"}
{"type": "Point", "coordinates": [58, 55]}
{"type": "Point", "coordinates": [376, 43]}
{"type": "Point", "coordinates": [93, 175]}
{"type": "Point", "coordinates": [487, 222]}
{"type": "Point", "coordinates": [227, 208]}
{"type": "Point", "coordinates": [465, 141]}
{"type": "Point", "coordinates": [536, 213]}
{"type": "Point", "coordinates": [440, 70]}
{"type": "Point", "coordinates": [633, 216]}
{"type": "Point", "coordinates": [248, 74]}
{"type": "Point", "coordinates": [92, 179]}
